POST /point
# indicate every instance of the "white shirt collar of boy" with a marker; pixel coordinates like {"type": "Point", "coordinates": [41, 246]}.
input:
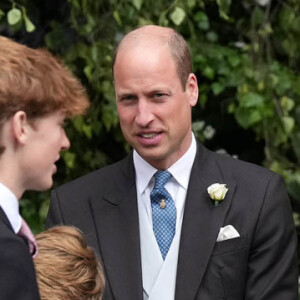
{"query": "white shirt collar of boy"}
{"type": "Point", "coordinates": [10, 205]}
{"type": "Point", "coordinates": [180, 171]}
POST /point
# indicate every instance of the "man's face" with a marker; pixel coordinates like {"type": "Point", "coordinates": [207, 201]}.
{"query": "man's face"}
{"type": "Point", "coordinates": [154, 110]}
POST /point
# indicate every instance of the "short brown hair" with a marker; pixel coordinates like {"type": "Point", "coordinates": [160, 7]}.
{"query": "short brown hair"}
{"type": "Point", "coordinates": [36, 82]}
{"type": "Point", "coordinates": [178, 47]}
{"type": "Point", "coordinates": [67, 268]}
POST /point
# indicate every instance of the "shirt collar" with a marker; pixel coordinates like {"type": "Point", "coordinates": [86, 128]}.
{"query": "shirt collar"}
{"type": "Point", "coordinates": [180, 170]}
{"type": "Point", "coordinates": [10, 205]}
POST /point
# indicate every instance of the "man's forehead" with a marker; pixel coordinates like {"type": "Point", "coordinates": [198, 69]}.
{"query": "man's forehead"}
{"type": "Point", "coordinates": [140, 44]}
{"type": "Point", "coordinates": [147, 36]}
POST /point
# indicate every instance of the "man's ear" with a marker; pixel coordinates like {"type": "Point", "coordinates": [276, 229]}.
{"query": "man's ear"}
{"type": "Point", "coordinates": [192, 89]}
{"type": "Point", "coordinates": [20, 127]}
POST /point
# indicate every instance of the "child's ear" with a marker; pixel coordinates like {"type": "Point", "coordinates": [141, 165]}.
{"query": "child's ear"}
{"type": "Point", "coordinates": [20, 127]}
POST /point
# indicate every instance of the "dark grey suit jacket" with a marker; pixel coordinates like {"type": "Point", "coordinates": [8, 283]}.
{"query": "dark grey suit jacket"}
{"type": "Point", "coordinates": [17, 274]}
{"type": "Point", "coordinates": [261, 264]}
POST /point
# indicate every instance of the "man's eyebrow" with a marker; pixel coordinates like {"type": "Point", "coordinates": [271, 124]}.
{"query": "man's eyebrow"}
{"type": "Point", "coordinates": [161, 90]}
{"type": "Point", "coordinates": [125, 95]}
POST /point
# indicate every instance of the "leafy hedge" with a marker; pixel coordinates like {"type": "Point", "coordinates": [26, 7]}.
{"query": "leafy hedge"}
{"type": "Point", "coordinates": [246, 56]}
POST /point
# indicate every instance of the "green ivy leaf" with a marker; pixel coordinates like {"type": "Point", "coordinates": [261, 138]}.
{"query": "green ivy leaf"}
{"type": "Point", "coordinates": [293, 187]}
{"type": "Point", "coordinates": [191, 3]}
{"type": "Point", "coordinates": [88, 130]}
{"type": "Point", "coordinates": [251, 100]}
{"type": "Point", "coordinates": [69, 158]}
{"type": "Point", "coordinates": [288, 124]}
{"type": "Point", "coordinates": [2, 14]}
{"type": "Point", "coordinates": [177, 16]}
{"type": "Point", "coordinates": [287, 103]}
{"type": "Point", "coordinates": [78, 123]}
{"type": "Point", "coordinates": [296, 144]}
{"type": "Point", "coordinates": [28, 24]}
{"type": "Point", "coordinates": [217, 88]}
{"type": "Point", "coordinates": [246, 117]}
{"type": "Point", "coordinates": [212, 36]}
{"type": "Point", "coordinates": [224, 6]}
{"type": "Point", "coordinates": [88, 71]}
{"type": "Point", "coordinates": [202, 20]}
{"type": "Point", "coordinates": [137, 4]}
{"type": "Point", "coordinates": [234, 60]}
{"type": "Point", "coordinates": [117, 18]}
{"type": "Point", "coordinates": [209, 72]}
{"type": "Point", "coordinates": [43, 211]}
{"type": "Point", "coordinates": [265, 30]}
{"type": "Point", "coordinates": [14, 16]}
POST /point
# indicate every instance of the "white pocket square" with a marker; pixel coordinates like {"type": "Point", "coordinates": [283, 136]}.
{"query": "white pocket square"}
{"type": "Point", "coordinates": [226, 233]}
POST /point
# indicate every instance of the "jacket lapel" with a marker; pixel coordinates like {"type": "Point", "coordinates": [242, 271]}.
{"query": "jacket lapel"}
{"type": "Point", "coordinates": [201, 223]}
{"type": "Point", "coordinates": [116, 220]}
{"type": "Point", "coordinates": [4, 218]}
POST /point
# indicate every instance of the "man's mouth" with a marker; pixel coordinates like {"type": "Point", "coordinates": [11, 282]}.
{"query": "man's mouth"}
{"type": "Point", "coordinates": [149, 135]}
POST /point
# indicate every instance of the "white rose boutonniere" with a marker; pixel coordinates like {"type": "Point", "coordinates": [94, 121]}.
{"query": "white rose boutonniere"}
{"type": "Point", "coordinates": [217, 192]}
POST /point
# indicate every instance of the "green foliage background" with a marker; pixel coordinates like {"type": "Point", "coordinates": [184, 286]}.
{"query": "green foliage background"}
{"type": "Point", "coordinates": [246, 55]}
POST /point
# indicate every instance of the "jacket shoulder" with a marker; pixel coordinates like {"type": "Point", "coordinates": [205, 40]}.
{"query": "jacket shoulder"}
{"type": "Point", "coordinates": [104, 178]}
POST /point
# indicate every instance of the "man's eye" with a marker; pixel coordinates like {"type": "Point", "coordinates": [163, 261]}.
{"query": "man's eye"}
{"type": "Point", "coordinates": [127, 98]}
{"type": "Point", "coordinates": [159, 95]}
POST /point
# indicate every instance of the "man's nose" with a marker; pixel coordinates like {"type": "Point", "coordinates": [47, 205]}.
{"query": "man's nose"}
{"type": "Point", "coordinates": [144, 114]}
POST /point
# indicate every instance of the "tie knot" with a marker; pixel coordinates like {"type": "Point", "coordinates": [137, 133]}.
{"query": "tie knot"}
{"type": "Point", "coordinates": [161, 178]}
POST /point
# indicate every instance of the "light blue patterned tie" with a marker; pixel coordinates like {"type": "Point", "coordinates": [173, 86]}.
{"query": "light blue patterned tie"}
{"type": "Point", "coordinates": [163, 212]}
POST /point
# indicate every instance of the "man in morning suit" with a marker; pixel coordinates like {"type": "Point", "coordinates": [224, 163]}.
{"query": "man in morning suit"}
{"type": "Point", "coordinates": [159, 233]}
{"type": "Point", "coordinates": [36, 94]}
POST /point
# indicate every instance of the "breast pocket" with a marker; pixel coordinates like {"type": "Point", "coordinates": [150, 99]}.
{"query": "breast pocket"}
{"type": "Point", "coordinates": [231, 245]}
{"type": "Point", "coordinates": [226, 273]}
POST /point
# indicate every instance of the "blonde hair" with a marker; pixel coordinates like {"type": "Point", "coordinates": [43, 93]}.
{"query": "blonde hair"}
{"type": "Point", "coordinates": [67, 268]}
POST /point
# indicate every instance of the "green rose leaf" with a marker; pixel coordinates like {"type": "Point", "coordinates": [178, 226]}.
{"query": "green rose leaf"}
{"type": "Point", "coordinates": [14, 16]}
{"type": "Point", "coordinates": [178, 16]}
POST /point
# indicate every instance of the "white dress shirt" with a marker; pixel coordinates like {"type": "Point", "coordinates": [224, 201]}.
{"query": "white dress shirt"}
{"type": "Point", "coordinates": [10, 205]}
{"type": "Point", "coordinates": [154, 268]}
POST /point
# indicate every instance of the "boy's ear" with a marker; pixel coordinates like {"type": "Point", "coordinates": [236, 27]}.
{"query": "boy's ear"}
{"type": "Point", "coordinates": [20, 127]}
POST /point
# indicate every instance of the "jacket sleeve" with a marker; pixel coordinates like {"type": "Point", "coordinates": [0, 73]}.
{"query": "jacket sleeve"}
{"type": "Point", "coordinates": [272, 268]}
{"type": "Point", "coordinates": [17, 274]}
